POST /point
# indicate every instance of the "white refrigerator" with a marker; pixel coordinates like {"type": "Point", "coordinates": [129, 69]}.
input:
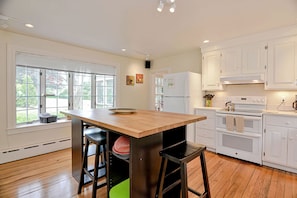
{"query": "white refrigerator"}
{"type": "Point", "coordinates": [182, 93]}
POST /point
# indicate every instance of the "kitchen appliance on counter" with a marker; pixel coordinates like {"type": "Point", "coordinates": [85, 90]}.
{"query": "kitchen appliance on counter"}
{"type": "Point", "coordinates": [294, 105]}
{"type": "Point", "coordinates": [239, 129]}
{"type": "Point", "coordinates": [182, 93]}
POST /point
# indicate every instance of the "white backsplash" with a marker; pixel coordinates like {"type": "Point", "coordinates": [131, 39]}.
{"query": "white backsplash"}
{"type": "Point", "coordinates": [274, 98]}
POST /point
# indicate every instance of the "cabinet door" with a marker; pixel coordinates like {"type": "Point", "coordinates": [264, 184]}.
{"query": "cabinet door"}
{"type": "Point", "coordinates": [211, 71]}
{"type": "Point", "coordinates": [275, 145]}
{"type": "Point", "coordinates": [254, 58]}
{"type": "Point", "coordinates": [292, 148]}
{"type": "Point", "coordinates": [282, 64]}
{"type": "Point", "coordinates": [231, 61]}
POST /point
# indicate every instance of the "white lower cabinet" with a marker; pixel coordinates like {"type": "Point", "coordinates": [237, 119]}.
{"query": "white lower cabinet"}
{"type": "Point", "coordinates": [206, 130]}
{"type": "Point", "coordinates": [280, 142]}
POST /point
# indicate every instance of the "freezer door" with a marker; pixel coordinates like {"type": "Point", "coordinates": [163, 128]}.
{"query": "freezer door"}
{"type": "Point", "coordinates": [175, 85]}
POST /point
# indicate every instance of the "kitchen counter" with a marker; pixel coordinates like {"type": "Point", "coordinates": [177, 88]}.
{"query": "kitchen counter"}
{"type": "Point", "coordinates": [281, 113]}
{"type": "Point", "coordinates": [148, 131]}
{"type": "Point", "coordinates": [209, 108]}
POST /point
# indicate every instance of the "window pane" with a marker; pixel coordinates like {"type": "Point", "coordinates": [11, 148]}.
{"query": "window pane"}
{"type": "Point", "coordinates": [82, 84]}
{"type": "Point", "coordinates": [105, 91]}
{"type": "Point", "coordinates": [27, 94]}
{"type": "Point", "coordinates": [56, 92]}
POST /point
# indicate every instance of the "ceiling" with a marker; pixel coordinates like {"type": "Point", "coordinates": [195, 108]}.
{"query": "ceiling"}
{"type": "Point", "coordinates": [110, 25]}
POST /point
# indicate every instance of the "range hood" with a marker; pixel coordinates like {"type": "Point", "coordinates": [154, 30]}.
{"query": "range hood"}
{"type": "Point", "coordinates": [243, 79]}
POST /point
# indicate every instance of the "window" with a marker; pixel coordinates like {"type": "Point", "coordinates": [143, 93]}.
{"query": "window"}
{"type": "Point", "coordinates": [82, 91]}
{"type": "Point", "coordinates": [105, 94]}
{"type": "Point", "coordinates": [41, 90]}
{"type": "Point", "coordinates": [27, 94]}
{"type": "Point", "coordinates": [159, 92]}
{"type": "Point", "coordinates": [56, 92]}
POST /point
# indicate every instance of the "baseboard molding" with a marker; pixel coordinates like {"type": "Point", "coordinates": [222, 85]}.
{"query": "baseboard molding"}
{"type": "Point", "coordinates": [280, 167]}
{"type": "Point", "coordinates": [14, 154]}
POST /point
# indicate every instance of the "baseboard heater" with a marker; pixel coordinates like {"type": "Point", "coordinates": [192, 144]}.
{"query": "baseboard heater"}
{"type": "Point", "coordinates": [33, 150]}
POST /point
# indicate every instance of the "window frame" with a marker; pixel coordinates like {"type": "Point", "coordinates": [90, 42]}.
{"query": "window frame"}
{"type": "Point", "coordinates": [11, 52]}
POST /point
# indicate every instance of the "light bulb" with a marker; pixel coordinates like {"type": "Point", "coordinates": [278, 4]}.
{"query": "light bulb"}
{"type": "Point", "coordinates": [172, 8]}
{"type": "Point", "coordinates": [160, 7]}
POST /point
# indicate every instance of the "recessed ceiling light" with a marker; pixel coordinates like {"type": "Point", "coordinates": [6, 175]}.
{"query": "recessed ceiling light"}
{"type": "Point", "coordinates": [206, 41]}
{"type": "Point", "coordinates": [28, 25]}
{"type": "Point", "coordinates": [123, 49]}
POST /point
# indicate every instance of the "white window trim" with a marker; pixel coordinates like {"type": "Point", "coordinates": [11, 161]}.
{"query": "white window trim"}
{"type": "Point", "coordinates": [12, 128]}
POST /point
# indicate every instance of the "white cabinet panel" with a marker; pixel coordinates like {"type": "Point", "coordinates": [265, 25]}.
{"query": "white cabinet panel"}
{"type": "Point", "coordinates": [231, 61]}
{"type": "Point", "coordinates": [254, 58]}
{"type": "Point", "coordinates": [206, 130]}
{"type": "Point", "coordinates": [292, 148]}
{"type": "Point", "coordinates": [282, 64]}
{"type": "Point", "coordinates": [280, 142]}
{"type": "Point", "coordinates": [275, 145]}
{"type": "Point", "coordinates": [211, 65]}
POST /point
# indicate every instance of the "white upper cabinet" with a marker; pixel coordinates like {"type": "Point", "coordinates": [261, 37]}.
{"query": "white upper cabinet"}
{"type": "Point", "coordinates": [282, 64]}
{"type": "Point", "coordinates": [244, 60]}
{"type": "Point", "coordinates": [231, 61]}
{"type": "Point", "coordinates": [211, 63]}
{"type": "Point", "coordinates": [254, 58]}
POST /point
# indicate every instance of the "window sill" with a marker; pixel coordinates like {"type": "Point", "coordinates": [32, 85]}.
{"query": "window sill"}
{"type": "Point", "coordinates": [38, 127]}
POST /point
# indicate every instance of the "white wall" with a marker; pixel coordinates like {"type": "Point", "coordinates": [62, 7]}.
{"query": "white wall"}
{"type": "Point", "coordinates": [187, 61]}
{"type": "Point", "coordinates": [129, 96]}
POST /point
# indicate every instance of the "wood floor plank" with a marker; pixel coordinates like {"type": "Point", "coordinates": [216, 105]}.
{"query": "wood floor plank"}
{"type": "Point", "coordinates": [50, 176]}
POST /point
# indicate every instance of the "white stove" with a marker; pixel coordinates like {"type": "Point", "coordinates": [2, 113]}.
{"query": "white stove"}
{"type": "Point", "coordinates": [239, 128]}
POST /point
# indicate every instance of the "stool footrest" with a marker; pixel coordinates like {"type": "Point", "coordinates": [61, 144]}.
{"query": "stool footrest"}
{"type": "Point", "coordinates": [171, 186]}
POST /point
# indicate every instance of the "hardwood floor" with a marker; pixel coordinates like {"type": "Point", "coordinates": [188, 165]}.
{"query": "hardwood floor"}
{"type": "Point", "coordinates": [50, 176]}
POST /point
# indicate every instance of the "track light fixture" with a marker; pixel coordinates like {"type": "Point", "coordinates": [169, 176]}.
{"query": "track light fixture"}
{"type": "Point", "coordinates": [170, 3]}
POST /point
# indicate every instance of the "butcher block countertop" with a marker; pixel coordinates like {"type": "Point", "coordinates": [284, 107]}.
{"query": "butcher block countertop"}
{"type": "Point", "coordinates": [139, 124]}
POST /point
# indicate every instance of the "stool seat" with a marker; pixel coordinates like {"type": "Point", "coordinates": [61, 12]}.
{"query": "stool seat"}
{"type": "Point", "coordinates": [99, 139]}
{"type": "Point", "coordinates": [181, 153]}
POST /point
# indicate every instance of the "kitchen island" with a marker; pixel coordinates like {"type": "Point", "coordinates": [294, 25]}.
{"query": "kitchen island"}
{"type": "Point", "coordinates": [148, 131]}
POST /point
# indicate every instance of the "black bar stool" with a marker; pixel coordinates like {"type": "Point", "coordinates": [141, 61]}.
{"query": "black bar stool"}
{"type": "Point", "coordinates": [181, 154]}
{"type": "Point", "coordinates": [99, 171]}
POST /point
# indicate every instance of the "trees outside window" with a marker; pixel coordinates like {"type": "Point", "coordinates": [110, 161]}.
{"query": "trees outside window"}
{"type": "Point", "coordinates": [51, 91]}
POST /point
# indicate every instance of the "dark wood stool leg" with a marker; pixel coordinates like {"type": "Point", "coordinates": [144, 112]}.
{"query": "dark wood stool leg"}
{"type": "Point", "coordinates": [161, 178]}
{"type": "Point", "coordinates": [96, 171]}
{"type": "Point", "coordinates": [204, 173]}
{"type": "Point", "coordinates": [184, 180]}
{"type": "Point", "coordinates": [82, 173]}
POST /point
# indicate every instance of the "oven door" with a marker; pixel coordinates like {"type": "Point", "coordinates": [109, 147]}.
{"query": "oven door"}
{"type": "Point", "coordinates": [251, 124]}
{"type": "Point", "coordinates": [242, 146]}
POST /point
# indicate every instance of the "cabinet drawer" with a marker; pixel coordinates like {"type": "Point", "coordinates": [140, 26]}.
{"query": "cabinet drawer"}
{"type": "Point", "coordinates": [207, 113]}
{"type": "Point", "coordinates": [209, 123]}
{"type": "Point", "coordinates": [205, 133]}
{"type": "Point", "coordinates": [286, 121]}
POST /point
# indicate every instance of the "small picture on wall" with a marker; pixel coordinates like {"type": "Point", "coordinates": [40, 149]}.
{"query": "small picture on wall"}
{"type": "Point", "coordinates": [139, 78]}
{"type": "Point", "coordinates": [130, 80]}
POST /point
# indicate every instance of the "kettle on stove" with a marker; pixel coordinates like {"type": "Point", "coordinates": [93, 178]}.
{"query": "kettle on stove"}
{"type": "Point", "coordinates": [294, 105]}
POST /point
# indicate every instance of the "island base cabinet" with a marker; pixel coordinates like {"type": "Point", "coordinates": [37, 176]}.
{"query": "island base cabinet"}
{"type": "Point", "coordinates": [143, 166]}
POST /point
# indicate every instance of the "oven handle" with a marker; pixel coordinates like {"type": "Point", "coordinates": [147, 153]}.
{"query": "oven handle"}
{"type": "Point", "coordinates": [244, 117]}
{"type": "Point", "coordinates": [239, 134]}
